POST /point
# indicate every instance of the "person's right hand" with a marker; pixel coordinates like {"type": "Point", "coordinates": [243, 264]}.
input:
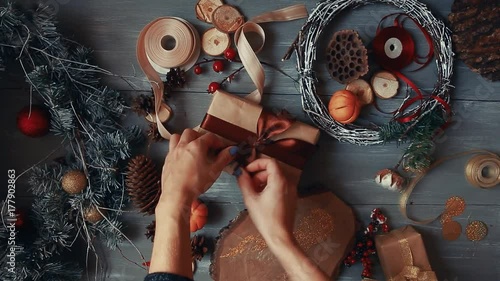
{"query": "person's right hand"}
{"type": "Point", "coordinates": [270, 198]}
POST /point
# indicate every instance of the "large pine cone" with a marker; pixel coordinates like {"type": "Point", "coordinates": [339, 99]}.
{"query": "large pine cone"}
{"type": "Point", "coordinates": [143, 183]}
{"type": "Point", "coordinates": [476, 35]}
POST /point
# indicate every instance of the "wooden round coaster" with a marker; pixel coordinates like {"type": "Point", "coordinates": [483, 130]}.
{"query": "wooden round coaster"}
{"type": "Point", "coordinates": [214, 42]}
{"type": "Point", "coordinates": [476, 231]}
{"type": "Point", "coordinates": [362, 90]}
{"type": "Point", "coordinates": [164, 114]}
{"type": "Point", "coordinates": [385, 85]}
{"type": "Point", "coordinates": [206, 8]}
{"type": "Point", "coordinates": [227, 19]}
{"type": "Point", "coordinates": [455, 206]}
{"type": "Point", "coordinates": [452, 230]}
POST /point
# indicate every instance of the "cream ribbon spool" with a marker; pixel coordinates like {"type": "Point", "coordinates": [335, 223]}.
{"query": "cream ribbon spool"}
{"type": "Point", "coordinates": [154, 58]}
{"type": "Point", "coordinates": [186, 48]}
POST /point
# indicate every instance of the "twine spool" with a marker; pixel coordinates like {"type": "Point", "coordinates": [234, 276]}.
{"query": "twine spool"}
{"type": "Point", "coordinates": [483, 171]}
{"type": "Point", "coordinates": [172, 42]}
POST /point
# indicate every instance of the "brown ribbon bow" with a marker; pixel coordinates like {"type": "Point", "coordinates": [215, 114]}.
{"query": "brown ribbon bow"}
{"type": "Point", "coordinates": [267, 128]}
{"type": "Point", "coordinates": [291, 151]}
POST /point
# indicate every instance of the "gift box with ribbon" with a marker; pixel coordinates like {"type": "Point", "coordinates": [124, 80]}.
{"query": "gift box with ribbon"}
{"type": "Point", "coordinates": [260, 133]}
{"type": "Point", "coordinates": [403, 257]}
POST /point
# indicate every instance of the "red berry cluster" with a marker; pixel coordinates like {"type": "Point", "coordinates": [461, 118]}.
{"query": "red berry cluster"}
{"type": "Point", "coordinates": [218, 66]}
{"type": "Point", "coordinates": [365, 244]}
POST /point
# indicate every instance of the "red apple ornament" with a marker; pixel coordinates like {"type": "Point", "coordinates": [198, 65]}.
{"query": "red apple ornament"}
{"type": "Point", "coordinates": [35, 123]}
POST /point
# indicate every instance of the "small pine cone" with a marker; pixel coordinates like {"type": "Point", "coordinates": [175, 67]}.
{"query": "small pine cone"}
{"type": "Point", "coordinates": [198, 247]}
{"type": "Point", "coordinates": [154, 134]}
{"type": "Point", "coordinates": [143, 105]}
{"type": "Point", "coordinates": [176, 78]}
{"type": "Point", "coordinates": [150, 231]}
{"type": "Point", "coordinates": [143, 183]}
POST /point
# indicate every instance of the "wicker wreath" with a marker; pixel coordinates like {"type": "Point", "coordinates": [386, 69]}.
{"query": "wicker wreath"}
{"type": "Point", "coordinates": [306, 55]}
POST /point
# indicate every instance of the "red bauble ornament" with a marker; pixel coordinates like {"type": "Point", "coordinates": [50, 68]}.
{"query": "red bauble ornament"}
{"type": "Point", "coordinates": [214, 86]}
{"type": "Point", "coordinates": [230, 54]}
{"type": "Point", "coordinates": [21, 218]}
{"type": "Point", "coordinates": [198, 70]}
{"type": "Point", "coordinates": [35, 124]}
{"type": "Point", "coordinates": [218, 66]}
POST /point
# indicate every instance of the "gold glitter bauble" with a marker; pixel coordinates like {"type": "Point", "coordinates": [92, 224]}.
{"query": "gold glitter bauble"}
{"type": "Point", "coordinates": [93, 215]}
{"type": "Point", "coordinates": [452, 230]}
{"type": "Point", "coordinates": [74, 182]}
{"type": "Point", "coordinates": [455, 206]}
{"type": "Point", "coordinates": [476, 231]}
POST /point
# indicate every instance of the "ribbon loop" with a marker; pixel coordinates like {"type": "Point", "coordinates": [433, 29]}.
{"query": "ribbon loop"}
{"type": "Point", "coordinates": [248, 55]}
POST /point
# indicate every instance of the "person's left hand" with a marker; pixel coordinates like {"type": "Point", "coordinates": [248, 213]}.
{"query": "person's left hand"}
{"type": "Point", "coordinates": [193, 164]}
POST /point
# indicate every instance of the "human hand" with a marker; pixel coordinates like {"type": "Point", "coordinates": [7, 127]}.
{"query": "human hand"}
{"type": "Point", "coordinates": [193, 164]}
{"type": "Point", "coordinates": [270, 198]}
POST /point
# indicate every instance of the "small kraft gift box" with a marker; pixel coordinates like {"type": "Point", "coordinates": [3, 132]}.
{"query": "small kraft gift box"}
{"type": "Point", "coordinates": [260, 133]}
{"type": "Point", "coordinates": [403, 257]}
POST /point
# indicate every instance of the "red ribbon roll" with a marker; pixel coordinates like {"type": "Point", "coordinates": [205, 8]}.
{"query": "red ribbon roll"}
{"type": "Point", "coordinates": [394, 48]}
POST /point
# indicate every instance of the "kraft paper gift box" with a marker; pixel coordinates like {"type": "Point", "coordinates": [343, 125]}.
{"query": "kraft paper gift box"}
{"type": "Point", "coordinates": [261, 133]}
{"type": "Point", "coordinates": [403, 257]}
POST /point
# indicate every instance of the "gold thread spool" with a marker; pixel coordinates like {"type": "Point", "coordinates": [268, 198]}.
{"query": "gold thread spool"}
{"type": "Point", "coordinates": [483, 171]}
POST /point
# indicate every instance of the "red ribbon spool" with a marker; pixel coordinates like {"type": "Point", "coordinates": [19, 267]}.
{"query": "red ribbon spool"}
{"type": "Point", "coordinates": [394, 48]}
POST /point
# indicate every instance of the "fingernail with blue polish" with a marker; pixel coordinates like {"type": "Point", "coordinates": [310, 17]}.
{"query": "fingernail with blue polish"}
{"type": "Point", "coordinates": [237, 172]}
{"type": "Point", "coordinates": [233, 150]}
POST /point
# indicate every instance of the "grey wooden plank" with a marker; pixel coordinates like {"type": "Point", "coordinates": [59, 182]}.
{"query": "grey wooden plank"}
{"type": "Point", "coordinates": [457, 260]}
{"type": "Point", "coordinates": [348, 169]}
{"type": "Point", "coordinates": [111, 28]}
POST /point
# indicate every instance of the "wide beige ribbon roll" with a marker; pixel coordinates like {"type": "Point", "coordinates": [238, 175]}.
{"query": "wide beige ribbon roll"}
{"type": "Point", "coordinates": [154, 56]}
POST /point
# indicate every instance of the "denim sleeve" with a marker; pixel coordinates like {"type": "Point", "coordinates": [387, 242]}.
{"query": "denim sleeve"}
{"type": "Point", "coordinates": [165, 277]}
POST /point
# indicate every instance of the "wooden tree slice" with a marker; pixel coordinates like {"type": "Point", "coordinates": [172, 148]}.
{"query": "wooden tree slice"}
{"type": "Point", "coordinates": [385, 85]}
{"type": "Point", "coordinates": [324, 228]}
{"type": "Point", "coordinates": [205, 9]}
{"type": "Point", "coordinates": [214, 42]}
{"type": "Point", "coordinates": [227, 19]}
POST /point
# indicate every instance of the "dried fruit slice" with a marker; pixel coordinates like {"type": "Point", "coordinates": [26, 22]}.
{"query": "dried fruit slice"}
{"type": "Point", "coordinates": [205, 9]}
{"type": "Point", "coordinates": [227, 19]}
{"type": "Point", "coordinates": [346, 56]}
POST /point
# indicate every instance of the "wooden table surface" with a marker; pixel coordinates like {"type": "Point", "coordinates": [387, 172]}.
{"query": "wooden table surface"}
{"type": "Point", "coordinates": [111, 28]}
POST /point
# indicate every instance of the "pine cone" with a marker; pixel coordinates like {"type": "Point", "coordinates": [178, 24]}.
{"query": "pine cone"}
{"type": "Point", "coordinates": [198, 247]}
{"type": "Point", "coordinates": [150, 231]}
{"type": "Point", "coordinates": [476, 35]}
{"type": "Point", "coordinates": [143, 183]}
{"type": "Point", "coordinates": [176, 78]}
{"type": "Point", "coordinates": [154, 134]}
{"type": "Point", "coordinates": [143, 105]}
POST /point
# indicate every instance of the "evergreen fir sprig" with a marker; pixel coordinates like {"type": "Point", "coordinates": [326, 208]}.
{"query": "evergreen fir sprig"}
{"type": "Point", "coordinates": [418, 155]}
{"type": "Point", "coordinates": [87, 114]}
